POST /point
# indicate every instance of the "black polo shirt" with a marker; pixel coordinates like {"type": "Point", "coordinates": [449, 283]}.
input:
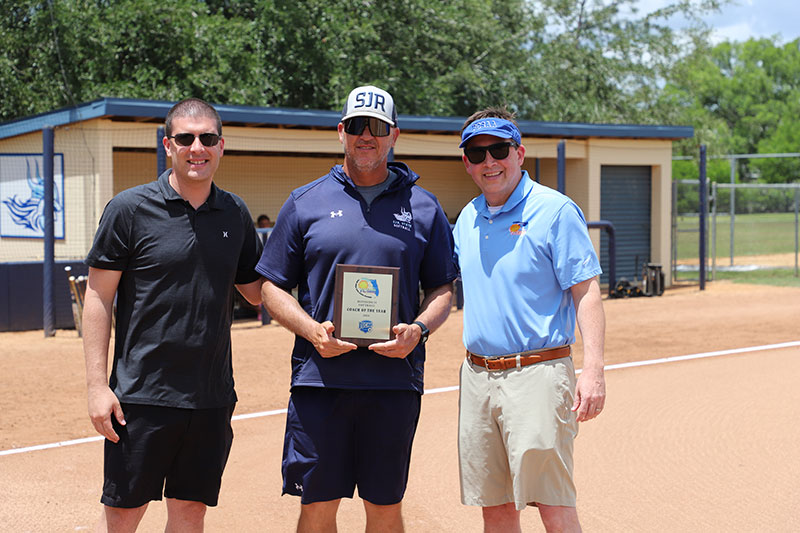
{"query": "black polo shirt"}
{"type": "Point", "coordinates": [175, 297]}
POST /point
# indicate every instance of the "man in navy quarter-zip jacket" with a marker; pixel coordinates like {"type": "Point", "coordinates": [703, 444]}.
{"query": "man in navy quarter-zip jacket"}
{"type": "Point", "coordinates": [353, 410]}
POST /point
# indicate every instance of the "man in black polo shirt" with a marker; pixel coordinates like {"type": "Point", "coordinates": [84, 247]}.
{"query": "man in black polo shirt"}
{"type": "Point", "coordinates": [172, 252]}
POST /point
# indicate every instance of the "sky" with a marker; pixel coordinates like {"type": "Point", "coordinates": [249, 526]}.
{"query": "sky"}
{"type": "Point", "coordinates": [743, 19]}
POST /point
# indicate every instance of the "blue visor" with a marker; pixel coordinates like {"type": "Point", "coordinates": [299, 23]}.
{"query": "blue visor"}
{"type": "Point", "coordinates": [497, 127]}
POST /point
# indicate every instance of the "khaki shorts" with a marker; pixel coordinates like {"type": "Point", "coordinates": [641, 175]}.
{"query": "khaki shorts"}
{"type": "Point", "coordinates": [515, 434]}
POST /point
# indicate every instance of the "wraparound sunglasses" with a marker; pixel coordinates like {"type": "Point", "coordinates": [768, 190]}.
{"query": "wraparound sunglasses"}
{"type": "Point", "coordinates": [377, 127]}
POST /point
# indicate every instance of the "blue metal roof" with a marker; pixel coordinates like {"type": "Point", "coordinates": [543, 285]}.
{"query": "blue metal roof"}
{"type": "Point", "coordinates": [156, 111]}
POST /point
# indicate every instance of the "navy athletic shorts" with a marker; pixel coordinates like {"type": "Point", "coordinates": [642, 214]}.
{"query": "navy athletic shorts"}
{"type": "Point", "coordinates": [187, 448]}
{"type": "Point", "coordinates": [339, 439]}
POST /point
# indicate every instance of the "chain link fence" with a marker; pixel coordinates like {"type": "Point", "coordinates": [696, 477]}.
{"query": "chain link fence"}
{"type": "Point", "coordinates": [749, 226]}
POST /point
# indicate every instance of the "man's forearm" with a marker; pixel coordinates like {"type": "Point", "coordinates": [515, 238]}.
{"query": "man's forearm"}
{"type": "Point", "coordinates": [96, 339]}
{"type": "Point", "coordinates": [284, 308]}
{"type": "Point", "coordinates": [592, 323]}
{"type": "Point", "coordinates": [436, 306]}
{"type": "Point", "coordinates": [251, 291]}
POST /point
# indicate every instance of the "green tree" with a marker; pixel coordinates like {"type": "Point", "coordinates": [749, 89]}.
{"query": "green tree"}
{"type": "Point", "coordinates": [559, 60]}
{"type": "Point", "coordinates": [60, 53]}
{"type": "Point", "coordinates": [743, 98]}
{"type": "Point", "coordinates": [436, 58]}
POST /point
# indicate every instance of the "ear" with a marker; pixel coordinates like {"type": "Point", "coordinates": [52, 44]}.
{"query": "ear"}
{"type": "Point", "coordinates": [521, 154]}
{"type": "Point", "coordinates": [466, 161]}
{"type": "Point", "coordinates": [340, 129]}
{"type": "Point", "coordinates": [167, 145]}
{"type": "Point", "coordinates": [395, 135]}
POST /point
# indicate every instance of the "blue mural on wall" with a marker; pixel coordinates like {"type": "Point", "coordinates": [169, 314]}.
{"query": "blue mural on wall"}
{"type": "Point", "coordinates": [22, 195]}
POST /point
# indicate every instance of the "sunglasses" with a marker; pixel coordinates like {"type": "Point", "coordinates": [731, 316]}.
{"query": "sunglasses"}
{"type": "Point", "coordinates": [477, 154]}
{"type": "Point", "coordinates": [377, 127]}
{"type": "Point", "coordinates": [187, 139]}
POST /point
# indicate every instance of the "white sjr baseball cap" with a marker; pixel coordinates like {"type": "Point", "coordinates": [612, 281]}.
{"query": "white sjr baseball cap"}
{"type": "Point", "coordinates": [370, 101]}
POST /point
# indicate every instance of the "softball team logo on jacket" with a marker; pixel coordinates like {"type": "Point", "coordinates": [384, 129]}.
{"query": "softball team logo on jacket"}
{"type": "Point", "coordinates": [518, 228]}
{"type": "Point", "coordinates": [403, 219]}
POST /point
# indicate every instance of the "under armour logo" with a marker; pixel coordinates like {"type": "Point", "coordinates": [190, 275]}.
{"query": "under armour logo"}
{"type": "Point", "coordinates": [335, 214]}
{"type": "Point", "coordinates": [224, 234]}
{"type": "Point", "coordinates": [298, 487]}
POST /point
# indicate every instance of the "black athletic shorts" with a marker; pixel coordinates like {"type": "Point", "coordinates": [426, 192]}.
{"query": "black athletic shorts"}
{"type": "Point", "coordinates": [337, 440]}
{"type": "Point", "coordinates": [186, 448]}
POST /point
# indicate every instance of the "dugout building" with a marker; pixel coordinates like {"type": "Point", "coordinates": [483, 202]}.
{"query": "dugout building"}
{"type": "Point", "coordinates": [615, 172]}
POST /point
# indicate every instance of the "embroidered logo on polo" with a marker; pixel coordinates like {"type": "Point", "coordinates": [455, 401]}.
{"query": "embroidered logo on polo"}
{"type": "Point", "coordinates": [335, 214]}
{"type": "Point", "coordinates": [224, 234]}
{"type": "Point", "coordinates": [518, 228]}
{"type": "Point", "coordinates": [403, 219]}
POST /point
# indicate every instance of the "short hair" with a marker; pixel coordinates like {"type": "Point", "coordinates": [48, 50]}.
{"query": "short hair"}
{"type": "Point", "coordinates": [490, 112]}
{"type": "Point", "coordinates": [192, 107]}
{"type": "Point", "coordinates": [263, 217]}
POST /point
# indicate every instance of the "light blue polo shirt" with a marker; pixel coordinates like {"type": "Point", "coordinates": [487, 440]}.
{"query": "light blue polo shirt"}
{"type": "Point", "coordinates": [517, 267]}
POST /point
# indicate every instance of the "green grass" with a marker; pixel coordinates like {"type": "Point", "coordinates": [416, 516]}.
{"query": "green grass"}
{"type": "Point", "coordinates": [779, 277]}
{"type": "Point", "coordinates": [757, 234]}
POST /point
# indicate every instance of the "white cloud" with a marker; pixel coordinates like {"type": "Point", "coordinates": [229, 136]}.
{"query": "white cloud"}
{"type": "Point", "coordinates": [743, 19]}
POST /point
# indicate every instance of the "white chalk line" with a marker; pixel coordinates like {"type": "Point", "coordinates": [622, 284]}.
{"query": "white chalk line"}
{"type": "Point", "coordinates": [262, 414]}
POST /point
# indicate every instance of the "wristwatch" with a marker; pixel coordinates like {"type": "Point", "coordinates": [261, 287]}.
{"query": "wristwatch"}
{"type": "Point", "coordinates": [425, 331]}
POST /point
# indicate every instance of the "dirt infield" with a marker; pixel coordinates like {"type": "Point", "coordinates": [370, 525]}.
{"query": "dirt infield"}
{"type": "Point", "coordinates": [702, 445]}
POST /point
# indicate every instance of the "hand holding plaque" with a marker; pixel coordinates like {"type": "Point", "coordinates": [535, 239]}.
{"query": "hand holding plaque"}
{"type": "Point", "coordinates": [365, 303]}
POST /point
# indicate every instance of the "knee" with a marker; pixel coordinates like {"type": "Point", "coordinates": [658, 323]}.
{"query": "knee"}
{"type": "Point", "coordinates": [185, 513]}
{"type": "Point", "coordinates": [559, 519]}
{"type": "Point", "coordinates": [120, 519]}
{"type": "Point", "coordinates": [505, 515]}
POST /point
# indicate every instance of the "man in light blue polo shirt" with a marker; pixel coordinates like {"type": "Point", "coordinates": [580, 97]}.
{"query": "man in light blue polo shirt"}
{"type": "Point", "coordinates": [529, 274]}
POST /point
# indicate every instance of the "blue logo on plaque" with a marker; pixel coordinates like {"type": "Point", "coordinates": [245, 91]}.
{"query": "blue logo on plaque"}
{"type": "Point", "coordinates": [367, 287]}
{"type": "Point", "coordinates": [365, 326]}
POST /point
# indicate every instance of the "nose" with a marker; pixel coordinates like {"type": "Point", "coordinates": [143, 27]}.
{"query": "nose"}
{"type": "Point", "coordinates": [366, 132]}
{"type": "Point", "coordinates": [196, 145]}
{"type": "Point", "coordinates": [489, 159]}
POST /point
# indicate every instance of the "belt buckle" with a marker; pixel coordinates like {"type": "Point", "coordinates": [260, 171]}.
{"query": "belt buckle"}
{"type": "Point", "coordinates": [491, 367]}
{"type": "Point", "coordinates": [499, 364]}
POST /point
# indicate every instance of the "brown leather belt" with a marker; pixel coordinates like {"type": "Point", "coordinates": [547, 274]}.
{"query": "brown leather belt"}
{"type": "Point", "coordinates": [516, 360]}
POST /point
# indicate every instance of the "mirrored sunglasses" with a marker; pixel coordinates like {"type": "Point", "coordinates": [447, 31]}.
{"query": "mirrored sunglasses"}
{"type": "Point", "coordinates": [377, 127]}
{"type": "Point", "coordinates": [187, 139]}
{"type": "Point", "coordinates": [477, 154]}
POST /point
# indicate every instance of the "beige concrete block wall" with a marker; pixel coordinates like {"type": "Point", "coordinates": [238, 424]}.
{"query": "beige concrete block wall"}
{"type": "Point", "coordinates": [448, 180]}
{"type": "Point", "coordinates": [87, 156]}
{"type": "Point", "coordinates": [260, 165]}
{"type": "Point", "coordinates": [658, 155]}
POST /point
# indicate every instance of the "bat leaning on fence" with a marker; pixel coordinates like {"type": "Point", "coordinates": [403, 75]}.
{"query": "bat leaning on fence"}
{"type": "Point", "coordinates": [77, 289]}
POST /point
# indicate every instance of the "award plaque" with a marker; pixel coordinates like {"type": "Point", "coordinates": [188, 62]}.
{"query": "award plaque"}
{"type": "Point", "coordinates": [365, 303]}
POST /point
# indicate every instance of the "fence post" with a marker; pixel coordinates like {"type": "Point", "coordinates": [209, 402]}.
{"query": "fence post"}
{"type": "Point", "coordinates": [161, 153]}
{"type": "Point", "coordinates": [674, 251]}
{"type": "Point", "coordinates": [796, 236]}
{"type": "Point", "coordinates": [702, 212]}
{"type": "Point", "coordinates": [562, 167]}
{"type": "Point", "coordinates": [732, 200]}
{"type": "Point", "coordinates": [714, 198]}
{"type": "Point", "coordinates": [48, 265]}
